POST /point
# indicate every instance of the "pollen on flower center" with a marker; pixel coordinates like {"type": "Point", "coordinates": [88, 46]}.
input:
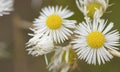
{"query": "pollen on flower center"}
{"type": "Point", "coordinates": [92, 7]}
{"type": "Point", "coordinates": [95, 39]}
{"type": "Point", "coordinates": [54, 21]}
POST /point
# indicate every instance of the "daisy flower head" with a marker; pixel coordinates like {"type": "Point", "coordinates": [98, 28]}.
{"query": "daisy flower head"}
{"type": "Point", "coordinates": [94, 39]}
{"type": "Point", "coordinates": [88, 7]}
{"type": "Point", "coordinates": [40, 45]}
{"type": "Point", "coordinates": [6, 6]}
{"type": "Point", "coordinates": [62, 59]}
{"type": "Point", "coordinates": [53, 22]}
{"type": "Point", "coordinates": [62, 67]}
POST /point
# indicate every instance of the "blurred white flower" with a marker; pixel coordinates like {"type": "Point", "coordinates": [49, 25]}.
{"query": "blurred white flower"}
{"type": "Point", "coordinates": [53, 22]}
{"type": "Point", "coordinates": [94, 37]}
{"type": "Point", "coordinates": [6, 6]}
{"type": "Point", "coordinates": [40, 45]}
{"type": "Point", "coordinates": [88, 7]}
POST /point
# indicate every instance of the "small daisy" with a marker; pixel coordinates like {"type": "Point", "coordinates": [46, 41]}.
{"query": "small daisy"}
{"type": "Point", "coordinates": [88, 7]}
{"type": "Point", "coordinates": [93, 40]}
{"type": "Point", "coordinates": [62, 67]}
{"type": "Point", "coordinates": [53, 22]}
{"type": "Point", "coordinates": [6, 6]}
{"type": "Point", "coordinates": [40, 45]}
{"type": "Point", "coordinates": [62, 59]}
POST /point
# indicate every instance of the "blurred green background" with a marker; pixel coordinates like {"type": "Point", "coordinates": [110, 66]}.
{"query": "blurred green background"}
{"type": "Point", "coordinates": [14, 29]}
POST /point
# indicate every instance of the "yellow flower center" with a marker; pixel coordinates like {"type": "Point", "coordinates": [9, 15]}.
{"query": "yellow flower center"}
{"type": "Point", "coordinates": [92, 8]}
{"type": "Point", "coordinates": [95, 39]}
{"type": "Point", "coordinates": [54, 21]}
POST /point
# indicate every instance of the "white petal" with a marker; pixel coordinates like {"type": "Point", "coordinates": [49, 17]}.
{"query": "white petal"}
{"type": "Point", "coordinates": [108, 28]}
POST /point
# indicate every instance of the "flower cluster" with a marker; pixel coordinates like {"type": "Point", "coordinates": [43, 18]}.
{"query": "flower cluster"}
{"type": "Point", "coordinates": [6, 6]}
{"type": "Point", "coordinates": [89, 40]}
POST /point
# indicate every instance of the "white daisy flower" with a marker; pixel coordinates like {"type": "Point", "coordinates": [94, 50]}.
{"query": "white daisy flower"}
{"type": "Point", "coordinates": [62, 67]}
{"type": "Point", "coordinates": [53, 22]}
{"type": "Point", "coordinates": [40, 45]}
{"type": "Point", "coordinates": [63, 57]}
{"type": "Point", "coordinates": [88, 7]}
{"type": "Point", "coordinates": [6, 6]}
{"type": "Point", "coordinates": [93, 40]}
